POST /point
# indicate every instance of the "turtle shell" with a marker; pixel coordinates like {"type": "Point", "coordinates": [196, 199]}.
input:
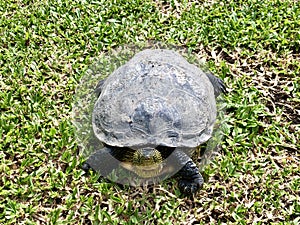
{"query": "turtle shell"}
{"type": "Point", "coordinates": [156, 98]}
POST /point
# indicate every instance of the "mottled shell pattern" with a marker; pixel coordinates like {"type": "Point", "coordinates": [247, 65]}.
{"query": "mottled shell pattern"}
{"type": "Point", "coordinates": [156, 98]}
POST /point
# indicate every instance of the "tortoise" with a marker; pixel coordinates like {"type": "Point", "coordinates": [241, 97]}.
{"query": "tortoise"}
{"type": "Point", "coordinates": [151, 114]}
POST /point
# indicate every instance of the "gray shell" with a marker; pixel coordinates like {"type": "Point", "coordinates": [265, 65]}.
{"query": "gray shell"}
{"type": "Point", "coordinates": [156, 98]}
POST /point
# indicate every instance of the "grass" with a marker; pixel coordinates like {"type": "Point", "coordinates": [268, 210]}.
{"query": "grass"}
{"type": "Point", "coordinates": [45, 48]}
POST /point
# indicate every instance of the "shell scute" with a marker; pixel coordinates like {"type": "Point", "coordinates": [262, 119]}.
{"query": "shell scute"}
{"type": "Point", "coordinates": [156, 98]}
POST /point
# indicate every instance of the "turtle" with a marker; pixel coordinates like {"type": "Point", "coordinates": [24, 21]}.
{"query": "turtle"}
{"type": "Point", "coordinates": [150, 115]}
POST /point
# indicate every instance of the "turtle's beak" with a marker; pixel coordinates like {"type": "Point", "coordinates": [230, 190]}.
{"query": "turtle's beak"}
{"type": "Point", "coordinates": [148, 153]}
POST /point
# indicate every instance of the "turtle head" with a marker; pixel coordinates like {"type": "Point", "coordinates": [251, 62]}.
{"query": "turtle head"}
{"type": "Point", "coordinates": [147, 162]}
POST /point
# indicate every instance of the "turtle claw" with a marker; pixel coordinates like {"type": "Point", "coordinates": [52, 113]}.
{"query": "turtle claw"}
{"type": "Point", "coordinates": [86, 167]}
{"type": "Point", "coordinates": [190, 186]}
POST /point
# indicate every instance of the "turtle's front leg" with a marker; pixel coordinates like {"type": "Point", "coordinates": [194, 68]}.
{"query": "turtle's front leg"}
{"type": "Point", "coordinates": [101, 161]}
{"type": "Point", "coordinates": [191, 179]}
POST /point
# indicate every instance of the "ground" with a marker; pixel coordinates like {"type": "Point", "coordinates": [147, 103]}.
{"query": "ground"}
{"type": "Point", "coordinates": [45, 48]}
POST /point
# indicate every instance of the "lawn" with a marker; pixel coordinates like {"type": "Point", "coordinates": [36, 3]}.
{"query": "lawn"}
{"type": "Point", "coordinates": [45, 50]}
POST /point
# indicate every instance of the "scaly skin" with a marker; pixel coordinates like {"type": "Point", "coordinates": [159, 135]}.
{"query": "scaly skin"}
{"type": "Point", "coordinates": [101, 161]}
{"type": "Point", "coordinates": [191, 179]}
{"type": "Point", "coordinates": [104, 162]}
